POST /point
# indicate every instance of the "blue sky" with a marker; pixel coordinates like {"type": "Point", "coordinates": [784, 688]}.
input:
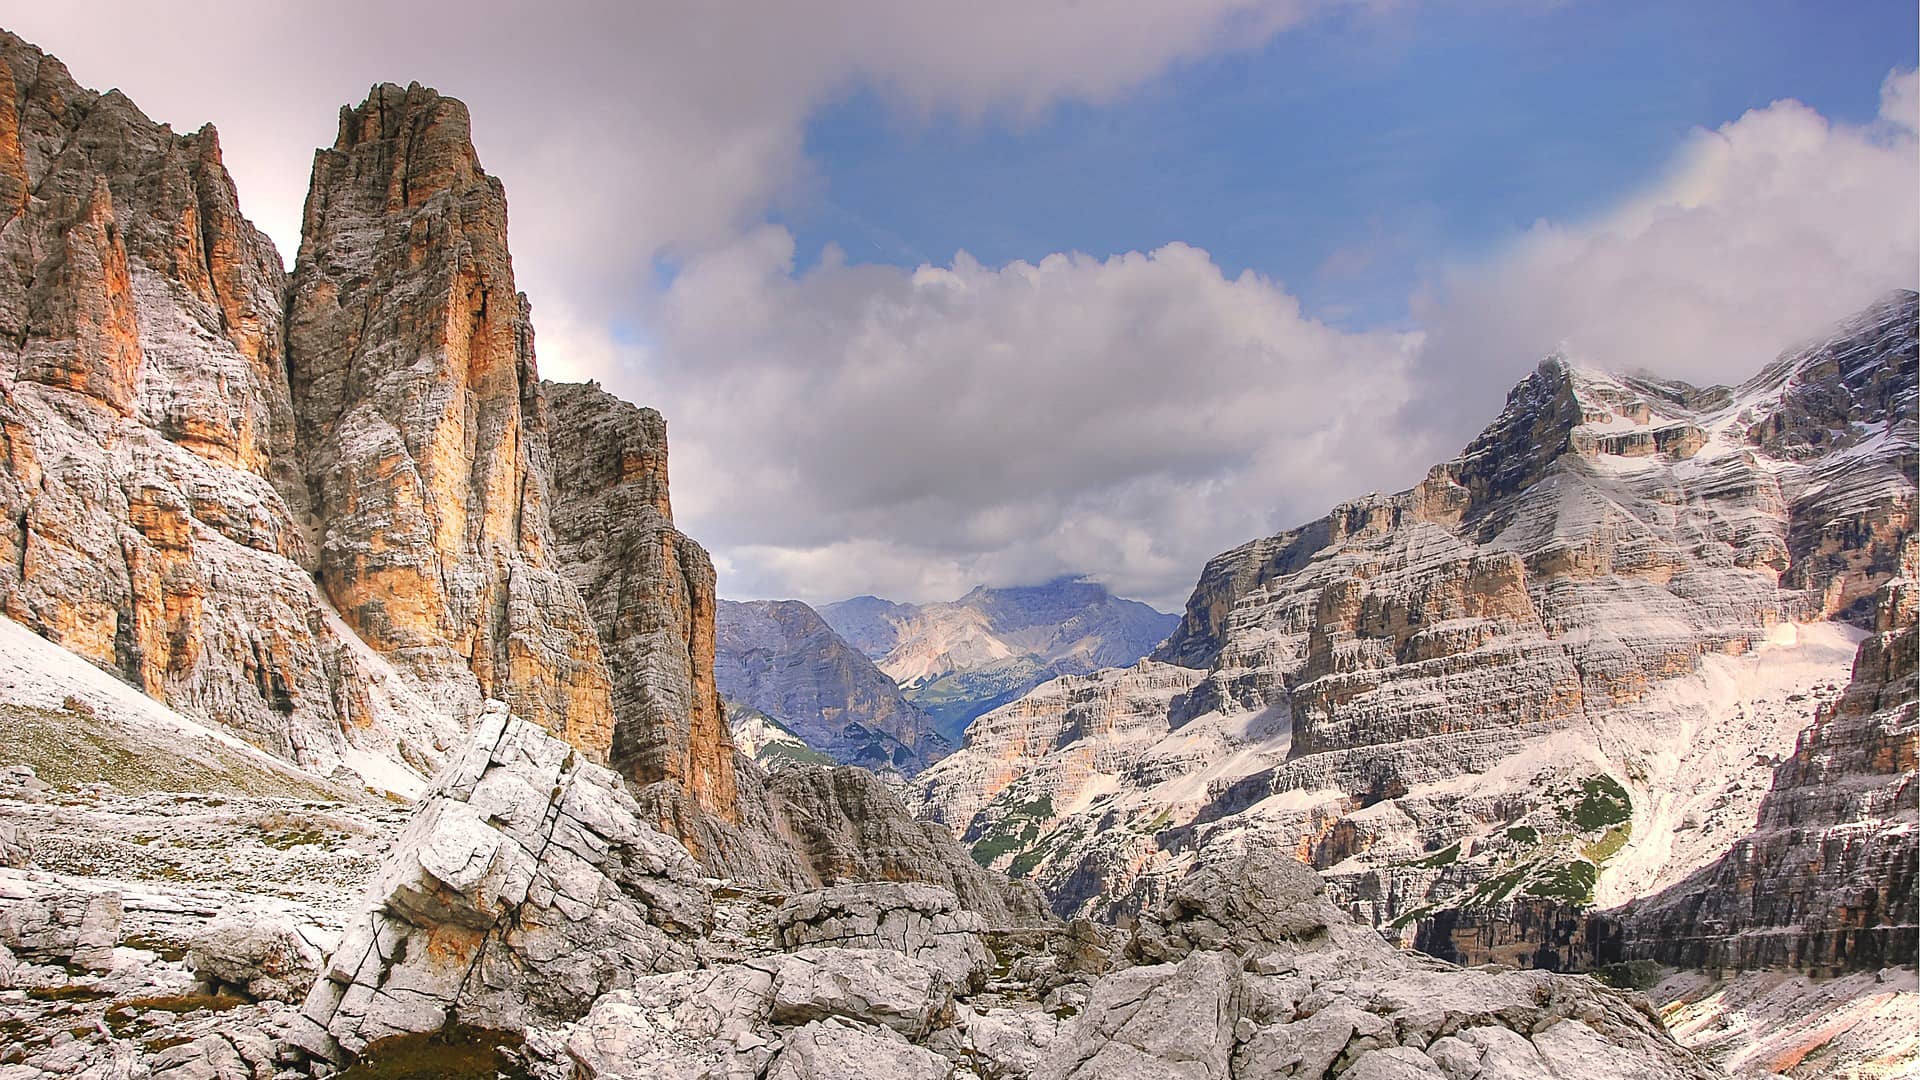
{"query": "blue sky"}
{"type": "Point", "coordinates": [1347, 155]}
{"type": "Point", "coordinates": [1433, 193]}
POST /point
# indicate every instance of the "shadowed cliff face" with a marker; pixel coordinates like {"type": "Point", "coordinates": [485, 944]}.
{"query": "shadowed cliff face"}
{"type": "Point", "coordinates": [781, 658]}
{"type": "Point", "coordinates": [1826, 880]}
{"type": "Point", "coordinates": [422, 425]}
{"type": "Point", "coordinates": [649, 589]}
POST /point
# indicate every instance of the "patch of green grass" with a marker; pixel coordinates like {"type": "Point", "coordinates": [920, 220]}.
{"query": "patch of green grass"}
{"type": "Point", "coordinates": [1608, 845]}
{"type": "Point", "coordinates": [1603, 803]}
{"type": "Point", "coordinates": [1569, 882]}
{"type": "Point", "coordinates": [1524, 834]}
{"type": "Point", "coordinates": [1013, 830]}
{"type": "Point", "coordinates": [1446, 856]}
{"type": "Point", "coordinates": [775, 756]}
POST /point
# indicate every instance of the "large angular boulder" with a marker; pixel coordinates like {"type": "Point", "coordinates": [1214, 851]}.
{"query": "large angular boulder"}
{"type": "Point", "coordinates": [924, 922]}
{"type": "Point", "coordinates": [525, 887]}
{"type": "Point", "coordinates": [1238, 900]}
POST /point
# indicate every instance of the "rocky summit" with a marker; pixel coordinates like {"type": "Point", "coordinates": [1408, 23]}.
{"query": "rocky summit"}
{"type": "Point", "coordinates": [364, 712]}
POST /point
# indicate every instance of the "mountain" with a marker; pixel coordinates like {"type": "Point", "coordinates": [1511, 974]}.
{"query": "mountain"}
{"type": "Point", "coordinates": [779, 658]}
{"type": "Point", "coordinates": [772, 745]}
{"type": "Point", "coordinates": [336, 515]}
{"type": "Point", "coordinates": [958, 660]}
{"type": "Point", "coordinates": [1555, 676]}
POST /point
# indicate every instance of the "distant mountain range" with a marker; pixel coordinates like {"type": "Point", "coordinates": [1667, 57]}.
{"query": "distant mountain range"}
{"type": "Point", "coordinates": [893, 686]}
{"type": "Point", "coordinates": [961, 659]}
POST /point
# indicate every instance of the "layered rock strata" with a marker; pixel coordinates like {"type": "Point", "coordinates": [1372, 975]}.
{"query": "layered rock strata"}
{"type": "Point", "coordinates": [1555, 675]}
{"type": "Point", "coordinates": [1826, 882]}
{"type": "Point", "coordinates": [650, 591]}
{"type": "Point", "coordinates": [422, 425]}
{"type": "Point", "coordinates": [149, 507]}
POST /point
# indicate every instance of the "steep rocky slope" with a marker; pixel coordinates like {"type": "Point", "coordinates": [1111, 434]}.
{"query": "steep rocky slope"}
{"type": "Point", "coordinates": [422, 425]}
{"type": "Point", "coordinates": [649, 588]}
{"type": "Point", "coordinates": [152, 512]}
{"type": "Point", "coordinates": [1826, 882]}
{"type": "Point", "coordinates": [780, 658]}
{"type": "Point", "coordinates": [1557, 674]}
{"type": "Point", "coordinates": [961, 659]}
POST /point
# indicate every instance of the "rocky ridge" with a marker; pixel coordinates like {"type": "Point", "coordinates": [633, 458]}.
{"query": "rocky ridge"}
{"type": "Point", "coordinates": [958, 660]}
{"type": "Point", "coordinates": [1555, 675]}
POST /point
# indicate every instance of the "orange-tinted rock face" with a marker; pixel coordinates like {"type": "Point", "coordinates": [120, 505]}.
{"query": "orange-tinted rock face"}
{"type": "Point", "coordinates": [81, 332]}
{"type": "Point", "coordinates": [649, 588]}
{"type": "Point", "coordinates": [146, 432]}
{"type": "Point", "coordinates": [422, 427]}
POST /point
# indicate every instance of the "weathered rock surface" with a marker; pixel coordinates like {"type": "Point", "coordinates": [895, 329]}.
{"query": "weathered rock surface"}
{"type": "Point", "coordinates": [148, 502]}
{"type": "Point", "coordinates": [922, 922]}
{"type": "Point", "coordinates": [525, 887]}
{"type": "Point", "coordinates": [649, 588]}
{"type": "Point", "coordinates": [845, 825]}
{"type": "Point", "coordinates": [263, 955]}
{"type": "Point", "coordinates": [781, 658]}
{"type": "Point", "coordinates": [1827, 880]}
{"type": "Point", "coordinates": [1557, 674]}
{"type": "Point", "coordinates": [422, 427]}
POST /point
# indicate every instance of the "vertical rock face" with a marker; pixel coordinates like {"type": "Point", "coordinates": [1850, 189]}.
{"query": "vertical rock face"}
{"type": "Point", "coordinates": [1558, 671]}
{"type": "Point", "coordinates": [1826, 881]}
{"type": "Point", "coordinates": [781, 658]}
{"type": "Point", "coordinates": [422, 427]}
{"type": "Point", "coordinates": [147, 511]}
{"type": "Point", "coordinates": [649, 589]}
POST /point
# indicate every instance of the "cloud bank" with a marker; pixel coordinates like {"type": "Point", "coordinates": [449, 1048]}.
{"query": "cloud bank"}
{"type": "Point", "coordinates": [912, 432]}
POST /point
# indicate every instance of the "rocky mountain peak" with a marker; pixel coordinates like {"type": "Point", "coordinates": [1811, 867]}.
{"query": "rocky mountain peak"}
{"type": "Point", "coordinates": [423, 426]}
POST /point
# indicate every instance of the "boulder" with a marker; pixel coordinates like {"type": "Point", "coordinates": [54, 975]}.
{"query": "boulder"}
{"type": "Point", "coordinates": [920, 921]}
{"type": "Point", "coordinates": [525, 887]}
{"type": "Point", "coordinates": [1239, 901]}
{"type": "Point", "coordinates": [264, 955]}
{"type": "Point", "coordinates": [836, 1050]}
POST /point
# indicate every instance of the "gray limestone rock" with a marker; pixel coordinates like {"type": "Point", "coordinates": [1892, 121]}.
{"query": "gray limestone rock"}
{"type": "Point", "coordinates": [525, 887]}
{"type": "Point", "coordinates": [923, 922]}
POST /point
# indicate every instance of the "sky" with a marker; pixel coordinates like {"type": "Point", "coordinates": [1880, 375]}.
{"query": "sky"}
{"type": "Point", "coordinates": [935, 295]}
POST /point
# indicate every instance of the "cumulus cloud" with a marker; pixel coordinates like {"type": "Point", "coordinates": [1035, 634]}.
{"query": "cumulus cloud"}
{"type": "Point", "coordinates": [912, 432]}
{"type": "Point", "coordinates": [1763, 232]}
{"type": "Point", "coordinates": [624, 131]}
{"type": "Point", "coordinates": [922, 430]}
{"type": "Point", "coordinates": [860, 428]}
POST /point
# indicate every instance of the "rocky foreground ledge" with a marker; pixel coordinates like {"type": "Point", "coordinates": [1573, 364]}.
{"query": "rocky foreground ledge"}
{"type": "Point", "coordinates": [525, 921]}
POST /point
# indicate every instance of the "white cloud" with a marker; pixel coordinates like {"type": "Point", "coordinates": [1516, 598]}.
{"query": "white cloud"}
{"type": "Point", "coordinates": [912, 432]}
{"type": "Point", "coordinates": [1762, 233]}
{"type": "Point", "coordinates": [622, 130]}
{"type": "Point", "coordinates": [859, 427]}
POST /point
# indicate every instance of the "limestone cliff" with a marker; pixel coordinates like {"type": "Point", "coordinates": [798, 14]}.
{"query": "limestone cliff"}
{"type": "Point", "coordinates": [649, 588]}
{"type": "Point", "coordinates": [1826, 881]}
{"type": "Point", "coordinates": [148, 510]}
{"type": "Point", "coordinates": [781, 658]}
{"type": "Point", "coordinates": [422, 428]}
